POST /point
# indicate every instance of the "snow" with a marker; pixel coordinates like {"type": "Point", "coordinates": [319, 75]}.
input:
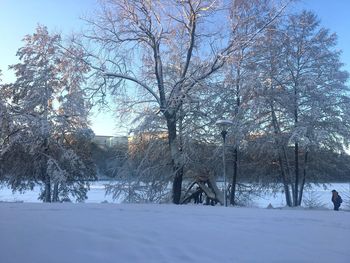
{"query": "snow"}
{"type": "Point", "coordinates": [97, 194]}
{"type": "Point", "coordinates": [34, 232]}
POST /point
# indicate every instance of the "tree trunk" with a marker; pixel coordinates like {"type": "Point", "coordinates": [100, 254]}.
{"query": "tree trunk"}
{"type": "Point", "coordinates": [238, 105]}
{"type": "Point", "coordinates": [234, 178]}
{"type": "Point", "coordinates": [46, 176]}
{"type": "Point", "coordinates": [177, 184]}
{"type": "Point", "coordinates": [281, 153]}
{"type": "Point", "coordinates": [296, 147]}
{"type": "Point", "coordinates": [55, 193]}
{"type": "Point", "coordinates": [304, 178]}
{"type": "Point", "coordinates": [176, 156]}
{"type": "Point", "coordinates": [285, 181]}
{"type": "Point", "coordinates": [47, 197]}
{"type": "Point", "coordinates": [296, 183]}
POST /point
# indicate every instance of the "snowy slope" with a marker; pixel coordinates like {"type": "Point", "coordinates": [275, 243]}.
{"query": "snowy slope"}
{"type": "Point", "coordinates": [107, 233]}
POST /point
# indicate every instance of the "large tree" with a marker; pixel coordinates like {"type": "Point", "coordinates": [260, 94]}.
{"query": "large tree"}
{"type": "Point", "coordinates": [303, 94]}
{"type": "Point", "coordinates": [316, 87]}
{"type": "Point", "coordinates": [160, 52]}
{"type": "Point", "coordinates": [49, 119]}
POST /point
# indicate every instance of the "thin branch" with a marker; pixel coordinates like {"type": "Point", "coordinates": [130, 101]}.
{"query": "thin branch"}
{"type": "Point", "coordinates": [125, 77]}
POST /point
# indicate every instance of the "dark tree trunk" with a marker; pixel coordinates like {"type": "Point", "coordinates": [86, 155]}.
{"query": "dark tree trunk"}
{"type": "Point", "coordinates": [234, 178]}
{"type": "Point", "coordinates": [304, 178]}
{"type": "Point", "coordinates": [47, 197]}
{"type": "Point", "coordinates": [296, 149]}
{"type": "Point", "coordinates": [285, 181]}
{"type": "Point", "coordinates": [55, 193]}
{"type": "Point", "coordinates": [46, 176]}
{"type": "Point", "coordinates": [235, 162]}
{"type": "Point", "coordinates": [177, 184]}
{"type": "Point", "coordinates": [281, 154]}
{"type": "Point", "coordinates": [176, 156]}
{"type": "Point", "coordinates": [296, 183]}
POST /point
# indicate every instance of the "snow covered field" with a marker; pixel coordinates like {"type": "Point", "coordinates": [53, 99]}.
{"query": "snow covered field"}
{"type": "Point", "coordinates": [96, 194]}
{"type": "Point", "coordinates": [106, 233]}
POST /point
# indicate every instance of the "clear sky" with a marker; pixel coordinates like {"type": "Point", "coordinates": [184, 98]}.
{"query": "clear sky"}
{"type": "Point", "coordinates": [20, 17]}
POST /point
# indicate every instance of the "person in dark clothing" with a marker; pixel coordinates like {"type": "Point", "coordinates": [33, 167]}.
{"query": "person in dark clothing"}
{"type": "Point", "coordinates": [336, 199]}
{"type": "Point", "coordinates": [197, 196]}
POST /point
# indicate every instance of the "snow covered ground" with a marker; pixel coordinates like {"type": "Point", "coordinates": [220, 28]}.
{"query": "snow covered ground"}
{"type": "Point", "coordinates": [318, 194]}
{"type": "Point", "coordinates": [106, 233]}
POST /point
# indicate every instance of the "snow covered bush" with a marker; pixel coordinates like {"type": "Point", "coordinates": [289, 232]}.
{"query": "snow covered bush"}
{"type": "Point", "coordinates": [312, 200]}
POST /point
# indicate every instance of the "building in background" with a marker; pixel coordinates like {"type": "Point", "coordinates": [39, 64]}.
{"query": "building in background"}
{"type": "Point", "coordinates": [110, 141]}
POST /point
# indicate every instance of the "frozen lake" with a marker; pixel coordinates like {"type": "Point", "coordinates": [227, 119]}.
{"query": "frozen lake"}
{"type": "Point", "coordinates": [318, 194]}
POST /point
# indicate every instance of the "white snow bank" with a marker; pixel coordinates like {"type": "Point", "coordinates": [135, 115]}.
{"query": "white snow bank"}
{"type": "Point", "coordinates": [103, 233]}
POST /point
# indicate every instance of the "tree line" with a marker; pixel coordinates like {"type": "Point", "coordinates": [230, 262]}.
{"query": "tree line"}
{"type": "Point", "coordinates": [176, 67]}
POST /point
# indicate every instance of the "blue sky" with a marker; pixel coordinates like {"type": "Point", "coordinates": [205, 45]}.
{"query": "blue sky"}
{"type": "Point", "coordinates": [334, 15]}
{"type": "Point", "coordinates": [20, 17]}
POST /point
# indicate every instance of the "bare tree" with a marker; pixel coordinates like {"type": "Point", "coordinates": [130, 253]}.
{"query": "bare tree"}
{"type": "Point", "coordinates": [163, 51]}
{"type": "Point", "coordinates": [314, 74]}
{"type": "Point", "coordinates": [302, 87]}
{"type": "Point", "coordinates": [144, 176]}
